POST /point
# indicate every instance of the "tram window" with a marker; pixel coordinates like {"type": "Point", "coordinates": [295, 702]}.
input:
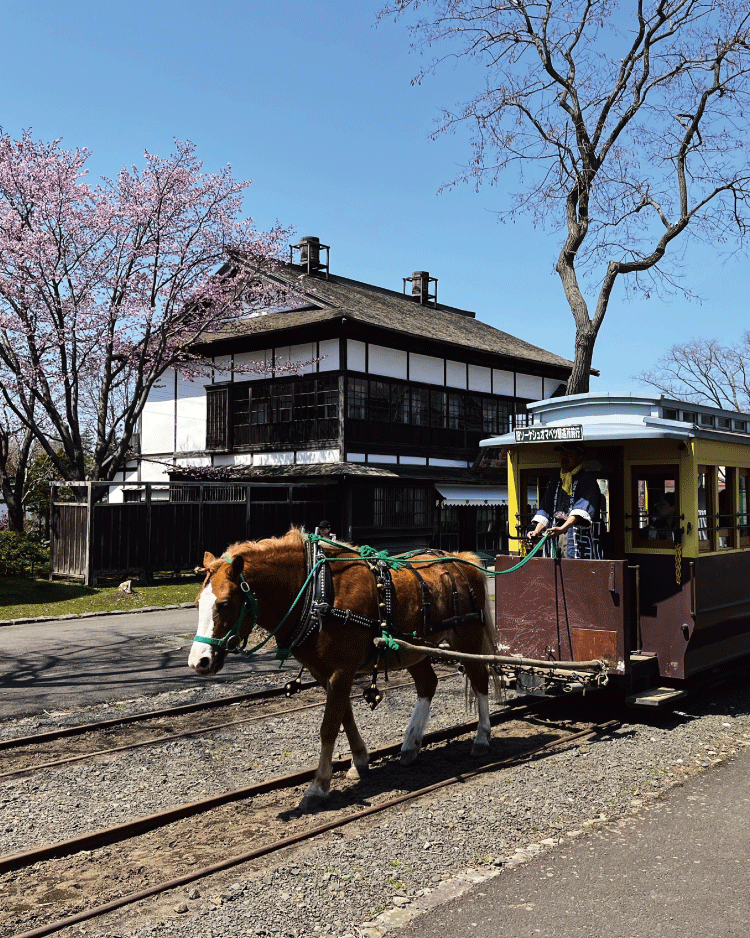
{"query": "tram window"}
{"type": "Point", "coordinates": [724, 422]}
{"type": "Point", "coordinates": [743, 514]}
{"type": "Point", "coordinates": [707, 420]}
{"type": "Point", "coordinates": [727, 527]}
{"type": "Point", "coordinates": [656, 508]}
{"type": "Point", "coordinates": [689, 416]}
{"type": "Point", "coordinates": [740, 425]}
{"type": "Point", "coordinates": [706, 513]}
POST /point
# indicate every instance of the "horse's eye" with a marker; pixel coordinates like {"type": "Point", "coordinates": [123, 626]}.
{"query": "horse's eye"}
{"type": "Point", "coordinates": [222, 603]}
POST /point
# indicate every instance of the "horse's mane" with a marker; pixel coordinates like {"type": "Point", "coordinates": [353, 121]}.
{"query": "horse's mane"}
{"type": "Point", "coordinates": [294, 537]}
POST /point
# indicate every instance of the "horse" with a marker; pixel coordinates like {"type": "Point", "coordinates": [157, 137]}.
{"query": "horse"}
{"type": "Point", "coordinates": [326, 601]}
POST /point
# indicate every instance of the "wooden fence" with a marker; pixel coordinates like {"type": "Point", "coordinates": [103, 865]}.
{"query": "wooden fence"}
{"type": "Point", "coordinates": [115, 529]}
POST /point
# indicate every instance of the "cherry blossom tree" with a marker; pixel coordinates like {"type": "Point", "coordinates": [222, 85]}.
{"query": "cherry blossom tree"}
{"type": "Point", "coordinates": [625, 126]}
{"type": "Point", "coordinates": [104, 287]}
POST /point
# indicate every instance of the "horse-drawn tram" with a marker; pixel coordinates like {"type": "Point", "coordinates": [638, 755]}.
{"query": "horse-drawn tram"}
{"type": "Point", "coordinates": [655, 578]}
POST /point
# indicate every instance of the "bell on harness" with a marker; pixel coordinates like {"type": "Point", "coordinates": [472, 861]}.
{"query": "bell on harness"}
{"type": "Point", "coordinates": [372, 696]}
{"type": "Point", "coordinates": [295, 686]}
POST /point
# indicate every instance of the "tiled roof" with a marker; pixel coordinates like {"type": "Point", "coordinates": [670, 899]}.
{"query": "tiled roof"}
{"type": "Point", "coordinates": [323, 300]}
{"type": "Point", "coordinates": [316, 472]}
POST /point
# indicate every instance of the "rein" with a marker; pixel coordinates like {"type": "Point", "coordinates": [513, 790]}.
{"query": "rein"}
{"type": "Point", "coordinates": [367, 555]}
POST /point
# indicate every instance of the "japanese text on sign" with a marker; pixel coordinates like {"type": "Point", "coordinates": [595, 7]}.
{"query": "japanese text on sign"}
{"type": "Point", "coordinates": [548, 434]}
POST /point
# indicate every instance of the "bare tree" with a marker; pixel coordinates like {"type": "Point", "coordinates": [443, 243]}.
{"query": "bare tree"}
{"type": "Point", "coordinates": [627, 126]}
{"type": "Point", "coordinates": [704, 371]}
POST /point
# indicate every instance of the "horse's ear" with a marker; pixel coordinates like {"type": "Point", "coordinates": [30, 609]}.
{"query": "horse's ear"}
{"type": "Point", "coordinates": [238, 564]}
{"type": "Point", "coordinates": [208, 559]}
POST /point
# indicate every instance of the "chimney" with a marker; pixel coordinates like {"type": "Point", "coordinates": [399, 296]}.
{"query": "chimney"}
{"type": "Point", "coordinates": [420, 288]}
{"type": "Point", "coordinates": [309, 255]}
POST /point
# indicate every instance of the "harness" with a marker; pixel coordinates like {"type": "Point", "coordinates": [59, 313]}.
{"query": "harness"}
{"type": "Point", "coordinates": [318, 597]}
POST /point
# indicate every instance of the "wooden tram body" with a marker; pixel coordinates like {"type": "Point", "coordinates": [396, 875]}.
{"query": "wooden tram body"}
{"type": "Point", "coordinates": [670, 598]}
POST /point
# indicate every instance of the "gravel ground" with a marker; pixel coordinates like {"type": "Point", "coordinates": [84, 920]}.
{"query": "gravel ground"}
{"type": "Point", "coordinates": [368, 878]}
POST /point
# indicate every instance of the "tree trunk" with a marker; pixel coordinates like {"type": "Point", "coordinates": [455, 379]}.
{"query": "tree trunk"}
{"type": "Point", "coordinates": [578, 382]}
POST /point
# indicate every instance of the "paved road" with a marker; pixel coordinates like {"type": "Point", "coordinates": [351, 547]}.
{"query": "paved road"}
{"type": "Point", "coordinates": [681, 868]}
{"type": "Point", "coordinates": [79, 662]}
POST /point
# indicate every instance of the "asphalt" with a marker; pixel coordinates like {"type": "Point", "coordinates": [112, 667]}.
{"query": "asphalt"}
{"type": "Point", "coordinates": [679, 868]}
{"type": "Point", "coordinates": [77, 662]}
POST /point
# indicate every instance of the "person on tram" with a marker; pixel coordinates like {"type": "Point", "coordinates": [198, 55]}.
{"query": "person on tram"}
{"type": "Point", "coordinates": [662, 522]}
{"type": "Point", "coordinates": [569, 510]}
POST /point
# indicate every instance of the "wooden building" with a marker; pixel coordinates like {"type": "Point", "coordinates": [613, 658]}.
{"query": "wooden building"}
{"type": "Point", "coordinates": [378, 425]}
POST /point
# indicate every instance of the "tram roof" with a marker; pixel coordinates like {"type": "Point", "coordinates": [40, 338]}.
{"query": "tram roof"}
{"type": "Point", "coordinates": [609, 417]}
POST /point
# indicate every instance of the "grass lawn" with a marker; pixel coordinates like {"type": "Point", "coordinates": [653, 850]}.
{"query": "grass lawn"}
{"type": "Point", "coordinates": [26, 598]}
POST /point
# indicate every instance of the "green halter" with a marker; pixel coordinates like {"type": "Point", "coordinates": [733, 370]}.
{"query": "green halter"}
{"type": "Point", "coordinates": [250, 600]}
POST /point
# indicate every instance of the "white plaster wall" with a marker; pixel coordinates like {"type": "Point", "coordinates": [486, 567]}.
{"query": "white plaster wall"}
{"type": "Point", "coordinates": [529, 386]}
{"type": "Point", "coordinates": [329, 355]}
{"type": "Point", "coordinates": [157, 420]}
{"type": "Point", "coordinates": [307, 457]}
{"type": "Point", "coordinates": [246, 365]}
{"type": "Point", "coordinates": [480, 379]}
{"type": "Point", "coordinates": [193, 461]}
{"type": "Point", "coordinates": [355, 355]}
{"type": "Point", "coordinates": [502, 382]}
{"type": "Point", "coordinates": [390, 362]}
{"type": "Point", "coordinates": [459, 463]}
{"type": "Point", "coordinates": [299, 356]}
{"type": "Point", "coordinates": [273, 459]}
{"type": "Point", "coordinates": [222, 368]}
{"type": "Point", "coordinates": [551, 385]}
{"type": "Point", "coordinates": [191, 414]}
{"type": "Point", "coordinates": [382, 459]}
{"type": "Point", "coordinates": [426, 368]}
{"type": "Point", "coordinates": [455, 374]}
{"type": "Point", "coordinates": [413, 461]}
{"type": "Point", "coordinates": [355, 457]}
{"type": "Point", "coordinates": [154, 472]}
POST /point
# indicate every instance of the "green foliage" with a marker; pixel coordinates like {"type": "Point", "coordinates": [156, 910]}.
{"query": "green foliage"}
{"type": "Point", "coordinates": [21, 554]}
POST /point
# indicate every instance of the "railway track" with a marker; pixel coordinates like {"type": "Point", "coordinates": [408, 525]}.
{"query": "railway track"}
{"type": "Point", "coordinates": [265, 815]}
{"type": "Point", "coordinates": [28, 754]}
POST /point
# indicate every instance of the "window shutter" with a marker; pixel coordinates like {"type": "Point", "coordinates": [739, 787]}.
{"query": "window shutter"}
{"type": "Point", "coordinates": [218, 430]}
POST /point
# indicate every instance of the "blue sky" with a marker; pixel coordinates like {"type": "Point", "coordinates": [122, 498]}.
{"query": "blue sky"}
{"type": "Point", "coordinates": [313, 102]}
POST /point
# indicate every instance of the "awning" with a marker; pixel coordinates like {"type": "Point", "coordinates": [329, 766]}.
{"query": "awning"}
{"type": "Point", "coordinates": [473, 494]}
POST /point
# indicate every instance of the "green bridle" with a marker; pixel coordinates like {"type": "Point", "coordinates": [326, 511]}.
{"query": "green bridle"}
{"type": "Point", "coordinates": [249, 601]}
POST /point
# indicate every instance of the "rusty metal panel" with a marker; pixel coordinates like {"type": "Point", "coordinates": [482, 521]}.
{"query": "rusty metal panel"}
{"type": "Point", "coordinates": [544, 608]}
{"type": "Point", "coordinates": [594, 643]}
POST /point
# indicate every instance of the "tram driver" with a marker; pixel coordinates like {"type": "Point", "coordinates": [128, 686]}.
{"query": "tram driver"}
{"type": "Point", "coordinates": [569, 509]}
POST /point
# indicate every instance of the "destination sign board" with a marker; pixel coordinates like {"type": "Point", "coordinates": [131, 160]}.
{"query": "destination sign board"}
{"type": "Point", "coordinates": [549, 434]}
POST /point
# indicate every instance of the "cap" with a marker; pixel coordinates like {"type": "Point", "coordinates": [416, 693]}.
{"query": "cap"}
{"type": "Point", "coordinates": [324, 524]}
{"type": "Point", "coordinates": [570, 448]}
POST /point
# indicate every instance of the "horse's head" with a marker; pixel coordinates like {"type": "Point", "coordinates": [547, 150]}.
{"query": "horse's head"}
{"type": "Point", "coordinates": [222, 604]}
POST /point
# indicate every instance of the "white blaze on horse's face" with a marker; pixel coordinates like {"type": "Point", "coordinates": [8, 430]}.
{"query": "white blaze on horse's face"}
{"type": "Point", "coordinates": [202, 655]}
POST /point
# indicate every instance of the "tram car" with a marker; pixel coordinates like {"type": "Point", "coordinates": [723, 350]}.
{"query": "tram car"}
{"type": "Point", "coordinates": [667, 597]}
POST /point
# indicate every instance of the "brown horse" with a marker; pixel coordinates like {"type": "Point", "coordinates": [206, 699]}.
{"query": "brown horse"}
{"type": "Point", "coordinates": [436, 600]}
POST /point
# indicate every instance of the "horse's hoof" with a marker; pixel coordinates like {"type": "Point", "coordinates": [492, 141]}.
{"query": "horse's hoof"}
{"type": "Point", "coordinates": [408, 756]}
{"type": "Point", "coordinates": [478, 750]}
{"type": "Point", "coordinates": [311, 802]}
{"type": "Point", "coordinates": [357, 772]}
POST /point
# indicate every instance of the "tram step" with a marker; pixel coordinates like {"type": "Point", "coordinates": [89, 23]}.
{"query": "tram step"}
{"type": "Point", "coordinates": [655, 697]}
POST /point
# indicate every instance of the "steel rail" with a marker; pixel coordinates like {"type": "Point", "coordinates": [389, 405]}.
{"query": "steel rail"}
{"type": "Point", "coordinates": [119, 832]}
{"type": "Point", "coordinates": [169, 737]}
{"type": "Point", "coordinates": [50, 928]}
{"type": "Point", "coordinates": [52, 735]}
